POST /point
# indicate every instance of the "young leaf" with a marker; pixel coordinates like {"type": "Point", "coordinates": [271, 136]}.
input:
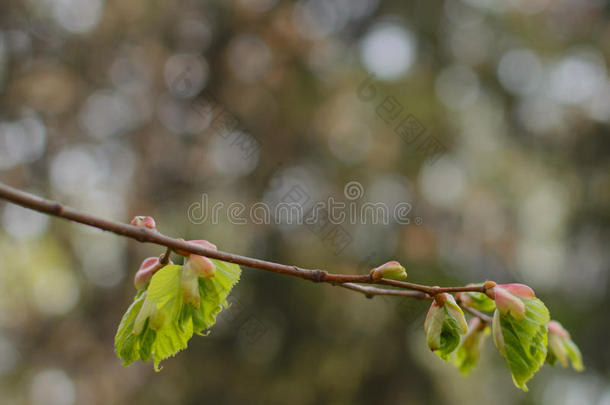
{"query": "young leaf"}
{"type": "Point", "coordinates": [477, 300]}
{"type": "Point", "coordinates": [172, 333]}
{"type": "Point", "coordinates": [444, 326]}
{"type": "Point", "coordinates": [467, 354]}
{"type": "Point", "coordinates": [126, 344]}
{"type": "Point", "coordinates": [450, 337]}
{"type": "Point", "coordinates": [562, 348]}
{"type": "Point", "coordinates": [159, 323]}
{"type": "Point", "coordinates": [523, 342]}
{"type": "Point", "coordinates": [214, 292]}
{"type": "Point", "coordinates": [574, 355]}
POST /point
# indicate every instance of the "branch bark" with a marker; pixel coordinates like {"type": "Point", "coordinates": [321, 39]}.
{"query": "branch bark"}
{"type": "Point", "coordinates": [145, 235]}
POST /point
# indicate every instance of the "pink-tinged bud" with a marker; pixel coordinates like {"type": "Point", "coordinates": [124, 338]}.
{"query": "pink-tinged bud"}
{"type": "Point", "coordinates": [201, 242]}
{"type": "Point", "coordinates": [201, 266]}
{"type": "Point", "coordinates": [391, 270]}
{"type": "Point", "coordinates": [147, 222]}
{"type": "Point", "coordinates": [443, 308]}
{"type": "Point", "coordinates": [562, 348]}
{"type": "Point", "coordinates": [433, 326]}
{"type": "Point", "coordinates": [496, 333]}
{"type": "Point", "coordinates": [508, 298]}
{"type": "Point", "coordinates": [147, 269]}
{"type": "Point", "coordinates": [476, 325]}
{"type": "Point", "coordinates": [470, 347]}
{"type": "Point", "coordinates": [557, 348]}
{"type": "Point", "coordinates": [555, 328]}
{"type": "Point", "coordinates": [519, 290]}
{"type": "Point", "coordinates": [189, 285]}
{"type": "Point", "coordinates": [456, 312]}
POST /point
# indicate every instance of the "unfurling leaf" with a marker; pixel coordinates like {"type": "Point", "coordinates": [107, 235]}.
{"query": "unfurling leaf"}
{"type": "Point", "coordinates": [562, 348]}
{"type": "Point", "coordinates": [160, 322]}
{"type": "Point", "coordinates": [476, 300]}
{"type": "Point", "coordinates": [444, 325]}
{"type": "Point", "coordinates": [467, 354]}
{"type": "Point", "coordinates": [522, 340]}
{"type": "Point", "coordinates": [509, 299]}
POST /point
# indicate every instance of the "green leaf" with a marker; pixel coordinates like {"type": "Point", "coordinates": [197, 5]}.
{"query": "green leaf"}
{"type": "Point", "coordinates": [174, 332]}
{"type": "Point", "coordinates": [167, 322]}
{"type": "Point", "coordinates": [214, 292]}
{"type": "Point", "coordinates": [467, 354]}
{"type": "Point", "coordinates": [477, 301]}
{"type": "Point", "coordinates": [525, 341]}
{"type": "Point", "coordinates": [562, 348]}
{"type": "Point", "coordinates": [434, 326]}
{"type": "Point", "coordinates": [574, 355]}
{"type": "Point", "coordinates": [126, 345]}
{"type": "Point", "coordinates": [444, 326]}
{"type": "Point", "coordinates": [450, 337]}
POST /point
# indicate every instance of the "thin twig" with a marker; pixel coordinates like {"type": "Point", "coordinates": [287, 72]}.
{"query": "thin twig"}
{"type": "Point", "coordinates": [485, 318]}
{"type": "Point", "coordinates": [372, 291]}
{"type": "Point", "coordinates": [146, 235]}
{"type": "Point", "coordinates": [165, 258]}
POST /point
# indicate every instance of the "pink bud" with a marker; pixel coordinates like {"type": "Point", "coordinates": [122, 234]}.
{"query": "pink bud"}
{"type": "Point", "coordinates": [557, 348]}
{"type": "Point", "coordinates": [391, 270]}
{"type": "Point", "coordinates": [519, 290]}
{"type": "Point", "coordinates": [508, 298]}
{"type": "Point", "coordinates": [555, 328]}
{"type": "Point", "coordinates": [201, 242]}
{"type": "Point", "coordinates": [201, 266]}
{"type": "Point", "coordinates": [147, 269]}
{"type": "Point", "coordinates": [562, 348]}
{"type": "Point", "coordinates": [147, 222]}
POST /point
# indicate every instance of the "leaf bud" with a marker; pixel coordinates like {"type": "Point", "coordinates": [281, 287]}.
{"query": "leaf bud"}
{"type": "Point", "coordinates": [391, 270]}
{"type": "Point", "coordinates": [509, 299]}
{"type": "Point", "coordinates": [562, 348]}
{"type": "Point", "coordinates": [147, 269]}
{"type": "Point", "coordinates": [147, 222]}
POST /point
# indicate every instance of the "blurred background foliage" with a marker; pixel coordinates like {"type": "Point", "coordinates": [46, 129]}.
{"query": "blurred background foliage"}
{"type": "Point", "coordinates": [105, 105]}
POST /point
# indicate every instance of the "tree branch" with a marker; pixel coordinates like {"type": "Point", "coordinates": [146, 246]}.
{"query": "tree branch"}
{"type": "Point", "coordinates": [372, 291]}
{"type": "Point", "coordinates": [146, 235]}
